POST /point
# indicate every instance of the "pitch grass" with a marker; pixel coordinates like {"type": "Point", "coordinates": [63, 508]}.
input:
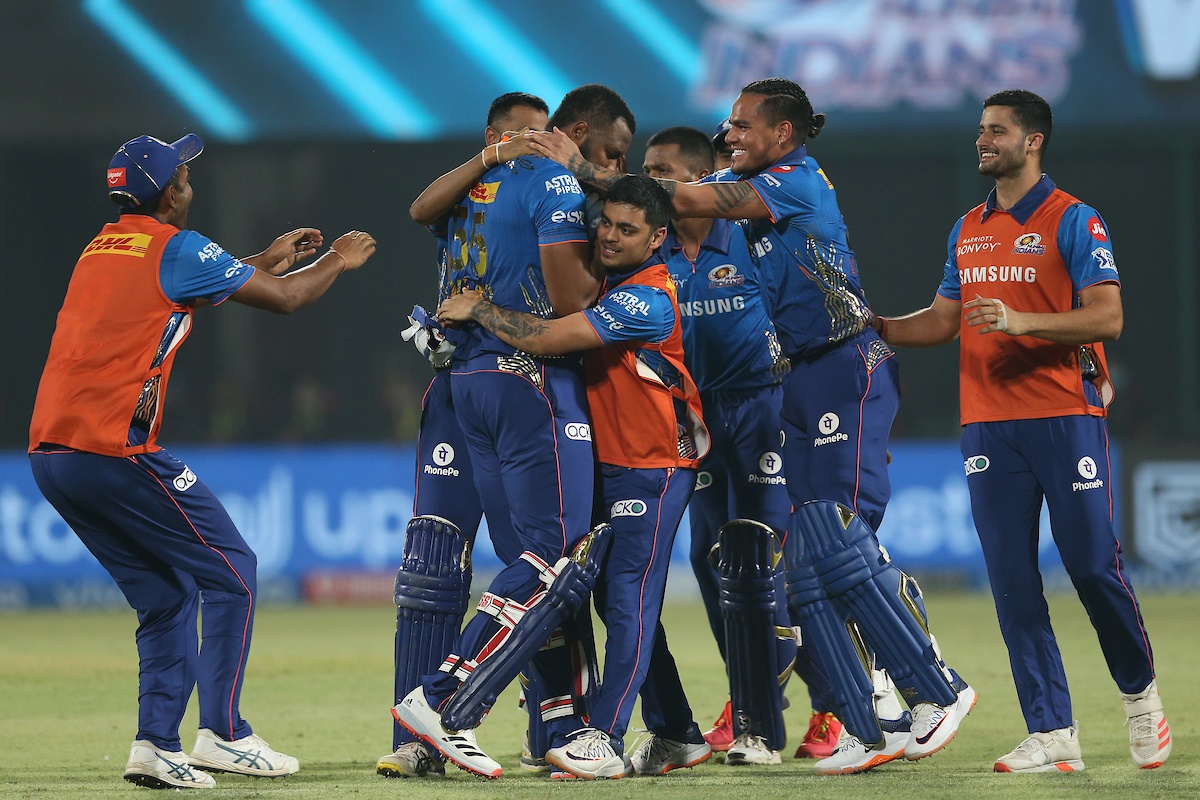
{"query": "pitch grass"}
{"type": "Point", "coordinates": [319, 687]}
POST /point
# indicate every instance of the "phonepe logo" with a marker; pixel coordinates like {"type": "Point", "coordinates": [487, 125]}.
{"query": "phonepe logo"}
{"type": "Point", "coordinates": [579, 431]}
{"type": "Point", "coordinates": [628, 508]}
{"type": "Point", "coordinates": [769, 464]}
{"type": "Point", "coordinates": [828, 425]}
{"type": "Point", "coordinates": [184, 480]}
{"type": "Point", "coordinates": [1088, 471]}
{"type": "Point", "coordinates": [443, 457]}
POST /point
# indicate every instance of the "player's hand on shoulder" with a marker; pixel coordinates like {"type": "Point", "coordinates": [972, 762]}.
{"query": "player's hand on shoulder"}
{"type": "Point", "coordinates": [553, 144]}
{"type": "Point", "coordinates": [356, 247]}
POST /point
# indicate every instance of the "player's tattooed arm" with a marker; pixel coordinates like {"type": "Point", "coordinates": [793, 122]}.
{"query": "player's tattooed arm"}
{"type": "Point", "coordinates": [720, 199]}
{"type": "Point", "coordinates": [532, 334]}
{"type": "Point", "coordinates": [587, 172]}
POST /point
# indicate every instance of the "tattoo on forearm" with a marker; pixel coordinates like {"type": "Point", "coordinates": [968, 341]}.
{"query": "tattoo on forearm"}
{"type": "Point", "coordinates": [588, 172]}
{"type": "Point", "coordinates": [513, 326]}
{"type": "Point", "coordinates": [731, 195]}
{"type": "Point", "coordinates": [669, 185]}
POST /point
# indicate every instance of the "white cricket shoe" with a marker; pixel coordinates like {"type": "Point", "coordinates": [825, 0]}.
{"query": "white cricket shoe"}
{"type": "Point", "coordinates": [530, 762]}
{"type": "Point", "coordinates": [1048, 751]}
{"type": "Point", "coordinates": [588, 755]}
{"type": "Point", "coordinates": [853, 756]}
{"type": "Point", "coordinates": [658, 756]}
{"type": "Point", "coordinates": [1149, 734]}
{"type": "Point", "coordinates": [161, 769]}
{"type": "Point", "coordinates": [411, 760]}
{"type": "Point", "coordinates": [934, 726]}
{"type": "Point", "coordinates": [459, 747]}
{"type": "Point", "coordinates": [249, 755]}
{"type": "Point", "coordinates": [750, 749]}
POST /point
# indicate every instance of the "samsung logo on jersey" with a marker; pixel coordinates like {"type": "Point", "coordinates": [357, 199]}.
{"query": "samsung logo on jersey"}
{"type": "Point", "coordinates": [567, 216]}
{"type": "Point", "coordinates": [723, 305]}
{"type": "Point", "coordinates": [995, 274]}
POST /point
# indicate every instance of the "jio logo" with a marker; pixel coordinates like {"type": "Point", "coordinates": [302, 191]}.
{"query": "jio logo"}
{"type": "Point", "coordinates": [829, 423]}
{"type": "Point", "coordinates": [443, 454]}
{"type": "Point", "coordinates": [1087, 467]}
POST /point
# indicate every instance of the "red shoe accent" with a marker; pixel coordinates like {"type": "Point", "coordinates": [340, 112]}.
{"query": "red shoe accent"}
{"type": "Point", "coordinates": [822, 737]}
{"type": "Point", "coordinates": [720, 737]}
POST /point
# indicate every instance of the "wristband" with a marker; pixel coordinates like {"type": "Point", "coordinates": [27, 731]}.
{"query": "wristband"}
{"type": "Point", "coordinates": [345, 262]}
{"type": "Point", "coordinates": [498, 154]}
{"type": "Point", "coordinates": [483, 159]}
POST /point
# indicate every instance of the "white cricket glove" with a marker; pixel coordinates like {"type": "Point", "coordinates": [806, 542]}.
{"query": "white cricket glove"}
{"type": "Point", "coordinates": [429, 338]}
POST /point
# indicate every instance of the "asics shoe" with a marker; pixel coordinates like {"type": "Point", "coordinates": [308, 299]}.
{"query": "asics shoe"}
{"type": "Point", "coordinates": [1049, 751]}
{"type": "Point", "coordinates": [588, 755]}
{"type": "Point", "coordinates": [459, 747]}
{"type": "Point", "coordinates": [934, 726]}
{"type": "Point", "coordinates": [822, 737]}
{"type": "Point", "coordinates": [853, 756]}
{"type": "Point", "coordinates": [720, 736]}
{"type": "Point", "coordinates": [411, 760]}
{"type": "Point", "coordinates": [658, 756]}
{"type": "Point", "coordinates": [249, 755]}
{"type": "Point", "coordinates": [161, 769]}
{"type": "Point", "coordinates": [1149, 734]}
{"type": "Point", "coordinates": [750, 749]}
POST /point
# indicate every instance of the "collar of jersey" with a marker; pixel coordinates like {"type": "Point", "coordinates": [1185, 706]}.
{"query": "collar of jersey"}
{"type": "Point", "coordinates": [717, 239]}
{"type": "Point", "coordinates": [1023, 209]}
{"type": "Point", "coordinates": [617, 278]}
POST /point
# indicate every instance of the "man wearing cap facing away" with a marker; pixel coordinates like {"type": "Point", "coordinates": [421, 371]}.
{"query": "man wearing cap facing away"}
{"type": "Point", "coordinates": [157, 529]}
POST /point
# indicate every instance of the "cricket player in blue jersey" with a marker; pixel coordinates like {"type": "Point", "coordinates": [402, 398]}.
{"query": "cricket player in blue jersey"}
{"type": "Point", "coordinates": [520, 238]}
{"type": "Point", "coordinates": [720, 298]}
{"type": "Point", "coordinates": [445, 488]}
{"type": "Point", "coordinates": [838, 405]}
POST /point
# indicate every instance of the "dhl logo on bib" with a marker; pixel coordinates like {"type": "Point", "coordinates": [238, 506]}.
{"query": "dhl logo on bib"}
{"type": "Point", "coordinates": [131, 244]}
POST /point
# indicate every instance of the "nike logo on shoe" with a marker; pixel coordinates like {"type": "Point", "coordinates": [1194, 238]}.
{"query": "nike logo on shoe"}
{"type": "Point", "coordinates": [925, 739]}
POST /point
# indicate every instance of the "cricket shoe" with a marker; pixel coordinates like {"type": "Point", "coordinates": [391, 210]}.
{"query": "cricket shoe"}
{"type": "Point", "coordinates": [459, 747]}
{"type": "Point", "coordinates": [750, 749]}
{"type": "Point", "coordinates": [824, 729]}
{"type": "Point", "coordinates": [1149, 734]}
{"type": "Point", "coordinates": [411, 760]}
{"type": "Point", "coordinates": [658, 755]}
{"type": "Point", "coordinates": [720, 736]}
{"type": "Point", "coordinates": [1049, 751]}
{"type": "Point", "coordinates": [853, 755]}
{"type": "Point", "coordinates": [249, 755]}
{"type": "Point", "coordinates": [161, 769]}
{"type": "Point", "coordinates": [589, 755]}
{"type": "Point", "coordinates": [530, 762]}
{"type": "Point", "coordinates": [934, 726]}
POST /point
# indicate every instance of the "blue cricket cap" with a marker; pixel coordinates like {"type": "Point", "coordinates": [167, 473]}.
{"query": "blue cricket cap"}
{"type": "Point", "coordinates": [718, 137]}
{"type": "Point", "coordinates": [142, 167]}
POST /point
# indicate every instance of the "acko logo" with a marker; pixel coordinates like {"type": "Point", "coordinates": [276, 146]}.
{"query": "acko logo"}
{"type": "Point", "coordinates": [703, 480]}
{"type": "Point", "coordinates": [579, 431]}
{"type": "Point", "coordinates": [977, 464]}
{"type": "Point", "coordinates": [628, 508]}
{"type": "Point", "coordinates": [185, 480]}
{"type": "Point", "coordinates": [443, 454]}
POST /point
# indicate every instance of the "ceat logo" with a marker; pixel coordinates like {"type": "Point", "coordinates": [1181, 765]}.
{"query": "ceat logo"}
{"type": "Point", "coordinates": [443, 454]}
{"type": "Point", "coordinates": [770, 463]}
{"type": "Point", "coordinates": [1096, 229]}
{"type": "Point", "coordinates": [1087, 468]}
{"type": "Point", "coordinates": [829, 423]}
{"type": "Point", "coordinates": [116, 177]}
{"type": "Point", "coordinates": [484, 192]}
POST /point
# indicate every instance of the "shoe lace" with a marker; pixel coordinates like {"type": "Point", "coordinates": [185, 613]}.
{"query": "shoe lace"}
{"type": "Point", "coordinates": [590, 740]}
{"type": "Point", "coordinates": [1142, 727]}
{"type": "Point", "coordinates": [818, 726]}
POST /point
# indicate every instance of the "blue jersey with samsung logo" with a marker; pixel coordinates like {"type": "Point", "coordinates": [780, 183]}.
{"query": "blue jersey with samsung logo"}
{"type": "Point", "coordinates": [728, 339]}
{"type": "Point", "coordinates": [814, 296]}
{"type": "Point", "coordinates": [494, 234]}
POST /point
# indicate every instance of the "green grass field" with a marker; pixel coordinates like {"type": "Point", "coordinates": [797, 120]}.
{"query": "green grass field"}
{"type": "Point", "coordinates": [319, 687]}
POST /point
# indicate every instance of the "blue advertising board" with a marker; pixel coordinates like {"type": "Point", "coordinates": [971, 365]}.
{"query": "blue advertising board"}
{"type": "Point", "coordinates": [318, 512]}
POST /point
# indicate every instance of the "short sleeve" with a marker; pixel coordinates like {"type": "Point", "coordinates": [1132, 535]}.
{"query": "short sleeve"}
{"type": "Point", "coordinates": [557, 207]}
{"type": "Point", "coordinates": [194, 267]}
{"type": "Point", "coordinates": [1086, 248]}
{"type": "Point", "coordinates": [632, 314]}
{"type": "Point", "coordinates": [951, 287]}
{"type": "Point", "coordinates": [787, 191]}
